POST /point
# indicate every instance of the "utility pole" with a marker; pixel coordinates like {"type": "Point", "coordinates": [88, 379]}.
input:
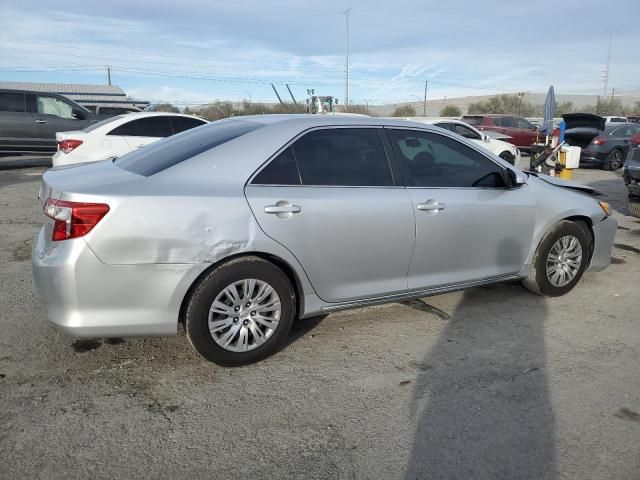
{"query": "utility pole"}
{"type": "Point", "coordinates": [424, 106]}
{"type": "Point", "coordinates": [613, 92]}
{"type": "Point", "coordinates": [605, 75]}
{"type": "Point", "coordinates": [346, 60]}
{"type": "Point", "coordinates": [109, 74]}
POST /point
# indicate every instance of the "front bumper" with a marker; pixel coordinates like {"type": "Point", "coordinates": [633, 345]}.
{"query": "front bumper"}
{"type": "Point", "coordinates": [603, 236]}
{"type": "Point", "coordinates": [87, 298]}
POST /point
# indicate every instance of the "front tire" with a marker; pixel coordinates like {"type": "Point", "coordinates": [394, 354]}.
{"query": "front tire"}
{"type": "Point", "coordinates": [560, 260]}
{"type": "Point", "coordinates": [240, 312]}
{"type": "Point", "coordinates": [508, 157]}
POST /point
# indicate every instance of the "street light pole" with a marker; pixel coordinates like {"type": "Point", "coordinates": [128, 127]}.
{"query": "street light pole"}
{"type": "Point", "coordinates": [424, 106]}
{"type": "Point", "coordinates": [346, 60]}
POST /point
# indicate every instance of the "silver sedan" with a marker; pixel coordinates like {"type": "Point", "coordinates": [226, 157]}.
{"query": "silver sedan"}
{"type": "Point", "coordinates": [236, 228]}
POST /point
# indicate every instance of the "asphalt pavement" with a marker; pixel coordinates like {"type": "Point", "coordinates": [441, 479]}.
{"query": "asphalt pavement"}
{"type": "Point", "coordinates": [490, 383]}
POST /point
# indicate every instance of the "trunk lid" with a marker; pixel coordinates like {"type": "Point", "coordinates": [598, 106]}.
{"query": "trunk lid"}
{"type": "Point", "coordinates": [582, 128]}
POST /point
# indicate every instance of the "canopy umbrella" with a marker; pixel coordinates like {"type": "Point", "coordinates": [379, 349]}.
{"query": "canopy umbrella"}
{"type": "Point", "coordinates": [549, 111]}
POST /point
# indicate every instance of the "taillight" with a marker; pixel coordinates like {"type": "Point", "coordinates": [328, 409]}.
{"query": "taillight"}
{"type": "Point", "coordinates": [68, 145]}
{"type": "Point", "coordinates": [73, 219]}
{"type": "Point", "coordinates": [598, 141]}
{"type": "Point", "coordinates": [635, 140]}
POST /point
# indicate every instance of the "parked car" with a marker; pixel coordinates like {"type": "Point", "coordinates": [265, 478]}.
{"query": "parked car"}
{"type": "Point", "coordinates": [106, 111]}
{"type": "Point", "coordinates": [616, 119]}
{"type": "Point", "coordinates": [29, 120]}
{"type": "Point", "coordinates": [119, 135]}
{"type": "Point", "coordinates": [523, 133]}
{"type": "Point", "coordinates": [503, 149]}
{"type": "Point", "coordinates": [240, 226]}
{"type": "Point", "coordinates": [631, 175]}
{"type": "Point", "coordinates": [602, 144]}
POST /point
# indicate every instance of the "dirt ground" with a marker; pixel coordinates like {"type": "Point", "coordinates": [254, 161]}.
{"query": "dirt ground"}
{"type": "Point", "coordinates": [490, 383]}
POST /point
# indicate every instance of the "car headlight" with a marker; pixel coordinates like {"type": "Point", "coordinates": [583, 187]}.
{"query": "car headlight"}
{"type": "Point", "coordinates": [606, 208]}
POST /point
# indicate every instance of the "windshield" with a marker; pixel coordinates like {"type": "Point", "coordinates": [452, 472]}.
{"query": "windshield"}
{"type": "Point", "coordinates": [172, 150]}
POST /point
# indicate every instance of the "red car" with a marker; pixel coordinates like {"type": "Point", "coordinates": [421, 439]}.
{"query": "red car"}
{"type": "Point", "coordinates": [522, 132]}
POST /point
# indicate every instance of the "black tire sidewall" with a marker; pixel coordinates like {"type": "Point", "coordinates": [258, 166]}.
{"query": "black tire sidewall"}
{"type": "Point", "coordinates": [562, 229]}
{"type": "Point", "coordinates": [507, 157]}
{"type": "Point", "coordinates": [199, 303]}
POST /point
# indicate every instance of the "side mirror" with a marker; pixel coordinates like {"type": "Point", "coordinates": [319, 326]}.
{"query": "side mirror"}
{"type": "Point", "coordinates": [486, 138]}
{"type": "Point", "coordinates": [79, 114]}
{"type": "Point", "coordinates": [516, 178]}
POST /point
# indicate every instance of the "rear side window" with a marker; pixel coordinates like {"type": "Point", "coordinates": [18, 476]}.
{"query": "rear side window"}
{"type": "Point", "coordinates": [624, 131]}
{"type": "Point", "coordinates": [158, 127]}
{"type": "Point", "coordinates": [343, 157]}
{"type": "Point", "coordinates": [129, 129]}
{"type": "Point", "coordinates": [282, 170]}
{"type": "Point", "coordinates": [173, 150]}
{"type": "Point", "coordinates": [12, 102]}
{"type": "Point", "coordinates": [432, 160]}
{"type": "Point", "coordinates": [180, 124]}
{"type": "Point", "coordinates": [522, 123]}
{"type": "Point", "coordinates": [506, 121]}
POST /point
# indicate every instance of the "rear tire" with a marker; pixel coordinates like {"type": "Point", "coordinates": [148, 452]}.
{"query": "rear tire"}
{"type": "Point", "coordinates": [614, 160]}
{"type": "Point", "coordinates": [560, 260]}
{"type": "Point", "coordinates": [231, 333]}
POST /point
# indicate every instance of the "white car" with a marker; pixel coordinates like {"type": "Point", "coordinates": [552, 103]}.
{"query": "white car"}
{"type": "Point", "coordinates": [504, 150]}
{"type": "Point", "coordinates": [616, 119]}
{"type": "Point", "coordinates": [119, 135]}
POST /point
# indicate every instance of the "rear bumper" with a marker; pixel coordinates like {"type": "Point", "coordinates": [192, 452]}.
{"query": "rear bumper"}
{"type": "Point", "coordinates": [603, 236]}
{"type": "Point", "coordinates": [592, 158]}
{"type": "Point", "coordinates": [87, 298]}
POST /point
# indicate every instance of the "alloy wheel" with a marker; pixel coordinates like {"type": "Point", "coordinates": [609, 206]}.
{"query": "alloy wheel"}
{"type": "Point", "coordinates": [564, 261]}
{"type": "Point", "coordinates": [244, 315]}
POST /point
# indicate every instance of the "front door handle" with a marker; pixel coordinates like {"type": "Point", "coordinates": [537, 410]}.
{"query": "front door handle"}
{"type": "Point", "coordinates": [431, 206]}
{"type": "Point", "coordinates": [41, 121]}
{"type": "Point", "coordinates": [282, 209]}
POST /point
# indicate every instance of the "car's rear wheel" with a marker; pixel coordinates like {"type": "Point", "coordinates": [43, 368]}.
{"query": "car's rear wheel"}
{"type": "Point", "coordinates": [240, 312]}
{"type": "Point", "coordinates": [560, 259]}
{"type": "Point", "coordinates": [508, 157]}
{"type": "Point", "coordinates": [614, 160]}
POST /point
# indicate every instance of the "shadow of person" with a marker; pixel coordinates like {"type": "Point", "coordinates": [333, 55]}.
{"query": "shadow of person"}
{"type": "Point", "coordinates": [482, 404]}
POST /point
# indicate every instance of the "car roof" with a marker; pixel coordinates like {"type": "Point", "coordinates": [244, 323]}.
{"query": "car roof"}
{"type": "Point", "coordinates": [304, 121]}
{"type": "Point", "coordinates": [133, 115]}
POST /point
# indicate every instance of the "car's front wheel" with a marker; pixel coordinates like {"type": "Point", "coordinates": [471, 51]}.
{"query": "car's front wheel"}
{"type": "Point", "coordinates": [560, 259]}
{"type": "Point", "coordinates": [507, 156]}
{"type": "Point", "coordinates": [240, 312]}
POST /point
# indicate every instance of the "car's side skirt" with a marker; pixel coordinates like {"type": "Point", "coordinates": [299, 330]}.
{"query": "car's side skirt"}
{"type": "Point", "coordinates": [452, 287]}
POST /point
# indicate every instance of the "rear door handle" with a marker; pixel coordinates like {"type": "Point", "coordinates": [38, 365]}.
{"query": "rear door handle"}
{"type": "Point", "coordinates": [282, 209]}
{"type": "Point", "coordinates": [431, 206]}
{"type": "Point", "coordinates": [41, 121]}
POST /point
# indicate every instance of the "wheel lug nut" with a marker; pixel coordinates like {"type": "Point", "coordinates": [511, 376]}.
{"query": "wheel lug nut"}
{"type": "Point", "coordinates": [236, 309]}
{"type": "Point", "coordinates": [246, 322]}
{"type": "Point", "coordinates": [253, 314]}
{"type": "Point", "coordinates": [248, 305]}
{"type": "Point", "coordinates": [235, 319]}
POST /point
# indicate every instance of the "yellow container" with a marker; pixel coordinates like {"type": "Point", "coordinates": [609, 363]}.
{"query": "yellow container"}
{"type": "Point", "coordinates": [562, 158]}
{"type": "Point", "coordinates": [565, 174]}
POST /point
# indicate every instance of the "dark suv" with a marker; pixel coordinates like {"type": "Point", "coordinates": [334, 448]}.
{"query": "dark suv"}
{"type": "Point", "coordinates": [523, 133]}
{"type": "Point", "coordinates": [631, 175]}
{"type": "Point", "coordinates": [29, 120]}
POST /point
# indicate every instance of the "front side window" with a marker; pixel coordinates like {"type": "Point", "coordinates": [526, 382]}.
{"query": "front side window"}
{"type": "Point", "coordinates": [432, 160]}
{"type": "Point", "coordinates": [12, 102]}
{"type": "Point", "coordinates": [522, 123]}
{"type": "Point", "coordinates": [343, 157]}
{"type": "Point", "coordinates": [506, 121]}
{"type": "Point", "coordinates": [53, 106]}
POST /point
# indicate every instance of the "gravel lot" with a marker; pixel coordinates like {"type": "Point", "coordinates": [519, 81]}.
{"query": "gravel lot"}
{"type": "Point", "coordinates": [488, 383]}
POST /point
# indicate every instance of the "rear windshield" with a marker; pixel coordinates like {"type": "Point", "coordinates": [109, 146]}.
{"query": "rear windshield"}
{"type": "Point", "coordinates": [472, 120]}
{"type": "Point", "coordinates": [172, 150]}
{"type": "Point", "coordinates": [93, 126]}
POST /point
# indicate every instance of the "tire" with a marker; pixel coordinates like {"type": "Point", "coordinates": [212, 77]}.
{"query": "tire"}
{"type": "Point", "coordinates": [508, 157]}
{"type": "Point", "coordinates": [614, 160]}
{"type": "Point", "coordinates": [541, 282]}
{"type": "Point", "coordinates": [634, 206]}
{"type": "Point", "coordinates": [237, 274]}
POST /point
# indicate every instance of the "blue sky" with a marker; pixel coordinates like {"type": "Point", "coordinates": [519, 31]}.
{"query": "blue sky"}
{"type": "Point", "coordinates": [196, 51]}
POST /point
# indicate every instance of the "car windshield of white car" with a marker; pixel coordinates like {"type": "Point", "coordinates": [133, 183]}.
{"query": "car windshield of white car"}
{"type": "Point", "coordinates": [172, 150]}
